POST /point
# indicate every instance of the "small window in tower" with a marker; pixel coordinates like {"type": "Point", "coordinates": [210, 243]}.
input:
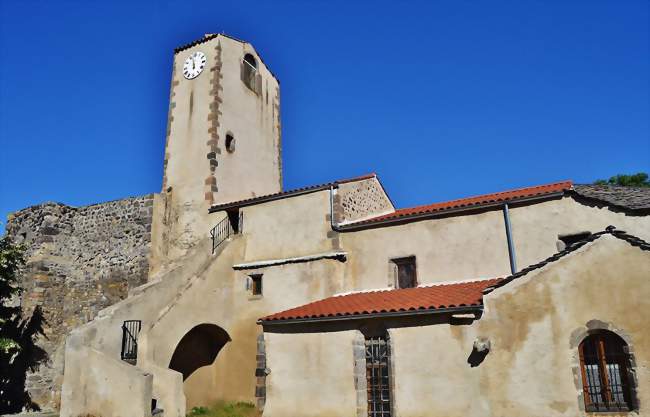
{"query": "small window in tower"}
{"type": "Point", "coordinates": [404, 272]}
{"type": "Point", "coordinates": [256, 284]}
{"type": "Point", "coordinates": [249, 72]}
{"type": "Point", "coordinates": [230, 142]}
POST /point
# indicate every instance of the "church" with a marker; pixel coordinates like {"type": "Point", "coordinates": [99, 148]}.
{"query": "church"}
{"type": "Point", "coordinates": [328, 300]}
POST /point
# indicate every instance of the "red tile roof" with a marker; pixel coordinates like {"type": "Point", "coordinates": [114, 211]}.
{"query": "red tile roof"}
{"type": "Point", "coordinates": [470, 202]}
{"type": "Point", "coordinates": [462, 294]}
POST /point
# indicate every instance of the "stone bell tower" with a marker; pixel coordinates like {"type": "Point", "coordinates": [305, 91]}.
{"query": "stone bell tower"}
{"type": "Point", "coordinates": [223, 137]}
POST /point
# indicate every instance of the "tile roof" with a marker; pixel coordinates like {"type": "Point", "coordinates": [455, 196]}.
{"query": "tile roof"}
{"type": "Point", "coordinates": [416, 300]}
{"type": "Point", "coordinates": [610, 230]}
{"type": "Point", "coordinates": [630, 198]}
{"type": "Point", "coordinates": [471, 202]}
{"type": "Point", "coordinates": [290, 193]}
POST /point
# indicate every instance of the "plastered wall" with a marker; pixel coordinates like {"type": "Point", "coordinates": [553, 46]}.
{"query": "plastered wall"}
{"type": "Point", "coordinates": [533, 324]}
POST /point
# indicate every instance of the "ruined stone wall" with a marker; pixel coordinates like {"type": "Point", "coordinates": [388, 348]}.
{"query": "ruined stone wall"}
{"type": "Point", "coordinates": [79, 261]}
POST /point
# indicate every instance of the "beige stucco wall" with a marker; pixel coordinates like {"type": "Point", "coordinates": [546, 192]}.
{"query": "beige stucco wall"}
{"type": "Point", "coordinates": [324, 362]}
{"type": "Point", "coordinates": [446, 249]}
{"type": "Point", "coordinates": [475, 246]}
{"type": "Point", "coordinates": [533, 326]}
{"type": "Point", "coordinates": [288, 227]}
{"type": "Point", "coordinates": [96, 385]}
{"type": "Point", "coordinates": [535, 228]}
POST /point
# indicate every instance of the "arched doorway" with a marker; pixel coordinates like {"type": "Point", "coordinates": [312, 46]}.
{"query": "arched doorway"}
{"type": "Point", "coordinates": [199, 347]}
{"type": "Point", "coordinates": [195, 357]}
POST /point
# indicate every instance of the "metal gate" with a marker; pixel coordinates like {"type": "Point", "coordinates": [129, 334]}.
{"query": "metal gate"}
{"type": "Point", "coordinates": [130, 332]}
{"type": "Point", "coordinates": [378, 376]}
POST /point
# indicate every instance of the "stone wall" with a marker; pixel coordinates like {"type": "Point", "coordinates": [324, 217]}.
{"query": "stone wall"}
{"type": "Point", "coordinates": [79, 261]}
{"type": "Point", "coordinates": [359, 200]}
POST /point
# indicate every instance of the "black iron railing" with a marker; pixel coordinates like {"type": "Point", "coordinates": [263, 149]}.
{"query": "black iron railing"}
{"type": "Point", "coordinates": [130, 332]}
{"type": "Point", "coordinates": [227, 227]}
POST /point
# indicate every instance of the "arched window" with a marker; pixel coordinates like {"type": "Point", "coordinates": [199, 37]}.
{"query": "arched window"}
{"type": "Point", "coordinates": [606, 381]}
{"type": "Point", "coordinates": [249, 72]}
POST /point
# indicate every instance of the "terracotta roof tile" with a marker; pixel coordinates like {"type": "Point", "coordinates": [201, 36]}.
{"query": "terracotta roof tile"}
{"type": "Point", "coordinates": [462, 294]}
{"type": "Point", "coordinates": [476, 201]}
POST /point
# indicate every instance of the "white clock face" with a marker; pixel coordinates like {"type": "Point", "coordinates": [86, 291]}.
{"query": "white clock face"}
{"type": "Point", "coordinates": [194, 65]}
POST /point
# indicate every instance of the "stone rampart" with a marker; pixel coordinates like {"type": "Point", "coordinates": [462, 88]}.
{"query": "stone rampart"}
{"type": "Point", "coordinates": [79, 261]}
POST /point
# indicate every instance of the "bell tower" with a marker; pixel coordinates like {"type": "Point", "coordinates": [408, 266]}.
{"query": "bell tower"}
{"type": "Point", "coordinates": [223, 136]}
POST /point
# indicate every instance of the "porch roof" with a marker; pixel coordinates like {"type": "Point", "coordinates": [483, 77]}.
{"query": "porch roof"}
{"type": "Point", "coordinates": [433, 298]}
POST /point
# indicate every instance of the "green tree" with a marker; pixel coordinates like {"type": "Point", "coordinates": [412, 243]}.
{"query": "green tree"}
{"type": "Point", "coordinates": [19, 353]}
{"type": "Point", "coordinates": [634, 180]}
{"type": "Point", "coordinates": [11, 260]}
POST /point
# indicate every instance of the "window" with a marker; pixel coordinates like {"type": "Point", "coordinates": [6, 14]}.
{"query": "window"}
{"type": "Point", "coordinates": [249, 72]}
{"type": "Point", "coordinates": [230, 142]}
{"type": "Point", "coordinates": [405, 275]}
{"type": "Point", "coordinates": [564, 241]}
{"type": "Point", "coordinates": [256, 284]}
{"type": "Point", "coordinates": [604, 367]}
{"type": "Point", "coordinates": [378, 376]}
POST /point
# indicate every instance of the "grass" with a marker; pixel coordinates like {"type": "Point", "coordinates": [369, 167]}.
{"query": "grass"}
{"type": "Point", "coordinates": [226, 409]}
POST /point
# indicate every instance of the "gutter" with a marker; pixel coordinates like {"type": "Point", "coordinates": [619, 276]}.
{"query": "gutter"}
{"type": "Point", "coordinates": [440, 213]}
{"type": "Point", "coordinates": [451, 310]}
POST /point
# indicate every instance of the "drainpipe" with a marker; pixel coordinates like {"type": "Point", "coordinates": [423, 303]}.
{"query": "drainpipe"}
{"type": "Point", "coordinates": [511, 246]}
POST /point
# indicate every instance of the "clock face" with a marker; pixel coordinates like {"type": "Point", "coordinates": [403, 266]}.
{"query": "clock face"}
{"type": "Point", "coordinates": [194, 65]}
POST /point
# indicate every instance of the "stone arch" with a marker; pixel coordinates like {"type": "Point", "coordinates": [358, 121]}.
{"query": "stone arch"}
{"type": "Point", "coordinates": [199, 347]}
{"type": "Point", "coordinates": [594, 327]}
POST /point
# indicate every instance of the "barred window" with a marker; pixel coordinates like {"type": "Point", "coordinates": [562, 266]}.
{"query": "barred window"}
{"type": "Point", "coordinates": [606, 382]}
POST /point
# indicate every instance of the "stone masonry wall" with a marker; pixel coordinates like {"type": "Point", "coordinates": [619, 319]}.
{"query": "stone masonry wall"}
{"type": "Point", "coordinates": [79, 261]}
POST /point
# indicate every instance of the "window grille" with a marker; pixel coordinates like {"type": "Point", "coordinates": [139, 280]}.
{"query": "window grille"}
{"type": "Point", "coordinates": [378, 376]}
{"type": "Point", "coordinates": [605, 379]}
{"type": "Point", "coordinates": [130, 332]}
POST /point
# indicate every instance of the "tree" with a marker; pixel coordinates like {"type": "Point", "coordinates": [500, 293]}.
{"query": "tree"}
{"type": "Point", "coordinates": [11, 260]}
{"type": "Point", "coordinates": [19, 352]}
{"type": "Point", "coordinates": [634, 180]}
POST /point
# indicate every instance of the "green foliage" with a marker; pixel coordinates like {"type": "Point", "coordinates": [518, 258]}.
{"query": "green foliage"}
{"type": "Point", "coordinates": [634, 180]}
{"type": "Point", "coordinates": [19, 352]}
{"type": "Point", "coordinates": [226, 409]}
{"type": "Point", "coordinates": [11, 260]}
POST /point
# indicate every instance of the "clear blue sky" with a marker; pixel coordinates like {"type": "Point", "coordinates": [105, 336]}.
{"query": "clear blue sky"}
{"type": "Point", "coordinates": [442, 99]}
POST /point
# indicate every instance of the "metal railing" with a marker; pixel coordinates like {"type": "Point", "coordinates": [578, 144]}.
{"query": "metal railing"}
{"type": "Point", "coordinates": [227, 227]}
{"type": "Point", "coordinates": [130, 332]}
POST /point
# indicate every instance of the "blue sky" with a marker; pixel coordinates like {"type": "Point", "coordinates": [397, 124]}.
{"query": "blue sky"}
{"type": "Point", "coordinates": [443, 99]}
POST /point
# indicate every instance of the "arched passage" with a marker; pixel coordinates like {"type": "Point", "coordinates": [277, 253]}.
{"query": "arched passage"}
{"type": "Point", "coordinates": [199, 347]}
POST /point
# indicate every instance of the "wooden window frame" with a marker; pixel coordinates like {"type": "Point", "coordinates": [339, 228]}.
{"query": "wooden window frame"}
{"type": "Point", "coordinates": [397, 263]}
{"type": "Point", "coordinates": [606, 353]}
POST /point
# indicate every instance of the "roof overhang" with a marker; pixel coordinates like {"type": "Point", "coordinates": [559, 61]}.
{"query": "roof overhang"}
{"type": "Point", "coordinates": [477, 309]}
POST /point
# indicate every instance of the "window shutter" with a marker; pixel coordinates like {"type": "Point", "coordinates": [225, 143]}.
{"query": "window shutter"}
{"type": "Point", "coordinates": [585, 386]}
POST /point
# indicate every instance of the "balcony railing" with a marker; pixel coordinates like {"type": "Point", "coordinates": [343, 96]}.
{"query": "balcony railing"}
{"type": "Point", "coordinates": [227, 227]}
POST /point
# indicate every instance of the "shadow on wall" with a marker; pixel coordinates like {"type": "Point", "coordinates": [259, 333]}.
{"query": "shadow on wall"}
{"type": "Point", "coordinates": [14, 365]}
{"type": "Point", "coordinates": [199, 347]}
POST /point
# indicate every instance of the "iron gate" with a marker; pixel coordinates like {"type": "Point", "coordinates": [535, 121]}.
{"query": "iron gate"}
{"type": "Point", "coordinates": [130, 331]}
{"type": "Point", "coordinates": [378, 376]}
